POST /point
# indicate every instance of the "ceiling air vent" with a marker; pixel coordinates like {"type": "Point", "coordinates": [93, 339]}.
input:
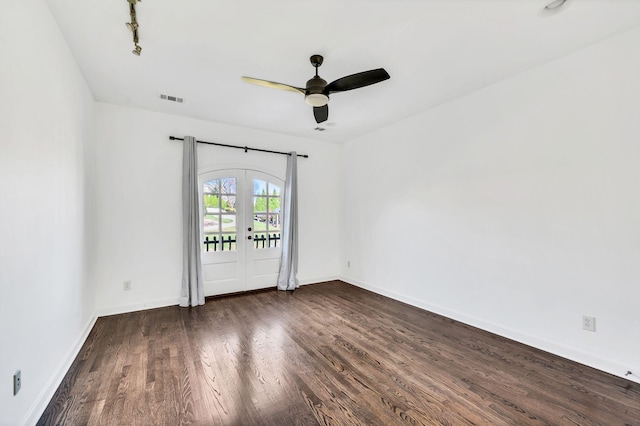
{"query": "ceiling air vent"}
{"type": "Point", "coordinates": [172, 98]}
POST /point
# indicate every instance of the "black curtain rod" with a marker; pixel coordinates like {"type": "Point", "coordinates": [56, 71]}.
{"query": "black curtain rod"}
{"type": "Point", "coordinates": [246, 148]}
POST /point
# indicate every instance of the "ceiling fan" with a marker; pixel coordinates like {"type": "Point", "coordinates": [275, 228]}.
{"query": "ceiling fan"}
{"type": "Point", "coordinates": [317, 91]}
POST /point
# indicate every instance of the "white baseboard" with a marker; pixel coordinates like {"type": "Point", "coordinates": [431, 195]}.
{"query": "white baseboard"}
{"type": "Point", "coordinates": [555, 348]}
{"type": "Point", "coordinates": [43, 399]}
{"type": "Point", "coordinates": [316, 280]}
{"type": "Point", "coordinates": [124, 309]}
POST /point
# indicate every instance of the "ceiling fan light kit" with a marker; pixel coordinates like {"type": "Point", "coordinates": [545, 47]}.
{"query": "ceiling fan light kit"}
{"type": "Point", "coordinates": [316, 92]}
{"type": "Point", "coordinates": [317, 99]}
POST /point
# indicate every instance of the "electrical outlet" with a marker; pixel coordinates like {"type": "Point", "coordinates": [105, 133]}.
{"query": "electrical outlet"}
{"type": "Point", "coordinates": [348, 264]}
{"type": "Point", "coordinates": [589, 323]}
{"type": "Point", "coordinates": [126, 285]}
{"type": "Point", "coordinates": [17, 382]}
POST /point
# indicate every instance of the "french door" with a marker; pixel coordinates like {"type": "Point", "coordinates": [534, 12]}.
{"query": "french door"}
{"type": "Point", "coordinates": [240, 230]}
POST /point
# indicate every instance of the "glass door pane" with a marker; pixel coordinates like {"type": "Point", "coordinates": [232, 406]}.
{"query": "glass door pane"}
{"type": "Point", "coordinates": [266, 214]}
{"type": "Point", "coordinates": [220, 215]}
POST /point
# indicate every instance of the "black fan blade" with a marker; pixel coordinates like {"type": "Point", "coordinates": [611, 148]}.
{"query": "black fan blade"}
{"type": "Point", "coordinates": [272, 84]}
{"type": "Point", "coordinates": [356, 81]}
{"type": "Point", "coordinates": [321, 113]}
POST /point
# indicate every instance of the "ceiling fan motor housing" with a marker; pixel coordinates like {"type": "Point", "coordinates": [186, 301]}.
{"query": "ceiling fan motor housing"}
{"type": "Point", "coordinates": [316, 85]}
{"type": "Point", "coordinates": [314, 92]}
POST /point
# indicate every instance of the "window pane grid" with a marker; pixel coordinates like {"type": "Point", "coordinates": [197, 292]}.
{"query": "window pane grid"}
{"type": "Point", "coordinates": [220, 220]}
{"type": "Point", "coordinates": [219, 224]}
{"type": "Point", "coordinates": [266, 215]}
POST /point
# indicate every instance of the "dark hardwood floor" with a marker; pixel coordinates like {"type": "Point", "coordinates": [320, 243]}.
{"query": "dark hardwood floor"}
{"type": "Point", "coordinates": [329, 354]}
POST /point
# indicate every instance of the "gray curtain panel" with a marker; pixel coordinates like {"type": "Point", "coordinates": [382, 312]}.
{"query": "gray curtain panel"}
{"type": "Point", "coordinates": [192, 285]}
{"type": "Point", "coordinates": [287, 279]}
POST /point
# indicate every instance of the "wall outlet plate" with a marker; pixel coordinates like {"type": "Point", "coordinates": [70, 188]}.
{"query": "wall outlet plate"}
{"type": "Point", "coordinates": [17, 382]}
{"type": "Point", "coordinates": [126, 285]}
{"type": "Point", "coordinates": [588, 323]}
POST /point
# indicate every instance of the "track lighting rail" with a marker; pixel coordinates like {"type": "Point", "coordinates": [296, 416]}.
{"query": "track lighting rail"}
{"type": "Point", "coordinates": [133, 26]}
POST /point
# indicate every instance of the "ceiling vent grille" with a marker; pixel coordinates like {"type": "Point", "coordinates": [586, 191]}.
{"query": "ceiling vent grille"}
{"type": "Point", "coordinates": [172, 98]}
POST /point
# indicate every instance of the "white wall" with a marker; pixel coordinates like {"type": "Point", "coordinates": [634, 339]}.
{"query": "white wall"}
{"type": "Point", "coordinates": [138, 200]}
{"type": "Point", "coordinates": [46, 303]}
{"type": "Point", "coordinates": [515, 209]}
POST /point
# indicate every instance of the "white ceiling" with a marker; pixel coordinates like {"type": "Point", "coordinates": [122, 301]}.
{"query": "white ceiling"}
{"type": "Point", "coordinates": [434, 50]}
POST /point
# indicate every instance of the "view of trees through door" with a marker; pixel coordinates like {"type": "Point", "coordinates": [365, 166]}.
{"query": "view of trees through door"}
{"type": "Point", "coordinates": [220, 224]}
{"type": "Point", "coordinates": [241, 230]}
{"type": "Point", "coordinates": [266, 214]}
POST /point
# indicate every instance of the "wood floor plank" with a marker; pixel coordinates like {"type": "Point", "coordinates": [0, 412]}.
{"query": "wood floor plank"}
{"type": "Point", "coordinates": [326, 354]}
